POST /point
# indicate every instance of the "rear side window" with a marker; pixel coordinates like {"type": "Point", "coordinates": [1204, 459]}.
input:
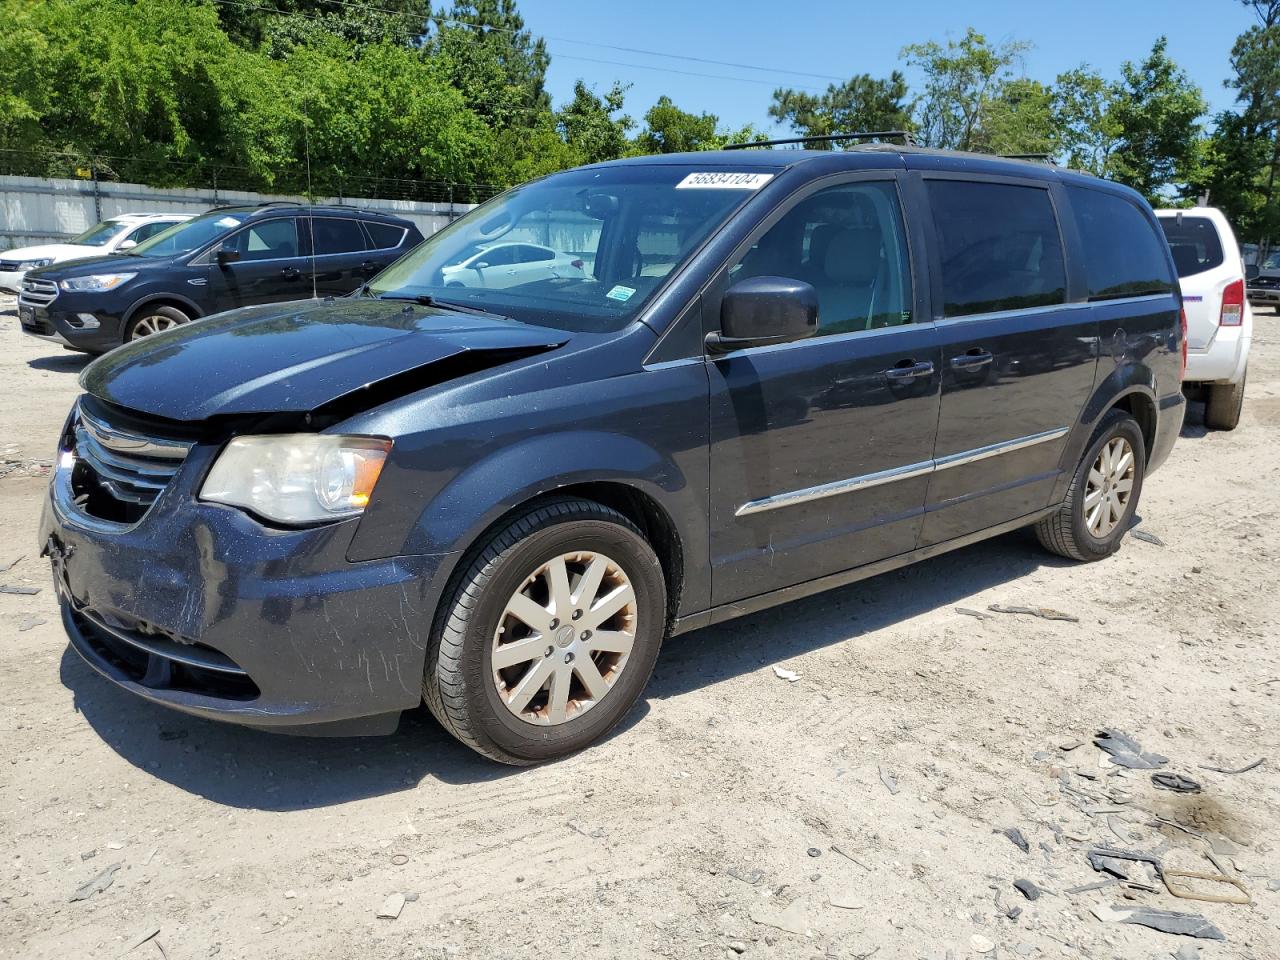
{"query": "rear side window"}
{"type": "Point", "coordinates": [1000, 247]}
{"type": "Point", "coordinates": [149, 230]}
{"type": "Point", "coordinates": [1194, 243]}
{"type": "Point", "coordinates": [1123, 254]}
{"type": "Point", "coordinates": [384, 235]}
{"type": "Point", "coordinates": [336, 236]}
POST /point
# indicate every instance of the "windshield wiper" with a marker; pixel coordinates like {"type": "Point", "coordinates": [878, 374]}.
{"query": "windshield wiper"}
{"type": "Point", "coordinates": [427, 300]}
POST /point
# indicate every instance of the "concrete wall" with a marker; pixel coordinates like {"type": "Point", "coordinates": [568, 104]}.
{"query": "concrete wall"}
{"type": "Point", "coordinates": [36, 210]}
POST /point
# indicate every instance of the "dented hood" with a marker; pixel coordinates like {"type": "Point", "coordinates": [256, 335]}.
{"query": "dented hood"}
{"type": "Point", "coordinates": [297, 357]}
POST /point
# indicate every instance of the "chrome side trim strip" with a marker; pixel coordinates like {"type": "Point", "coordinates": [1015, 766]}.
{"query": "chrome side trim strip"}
{"type": "Point", "coordinates": [995, 449]}
{"type": "Point", "coordinates": [835, 488]}
{"type": "Point", "coordinates": [906, 472]}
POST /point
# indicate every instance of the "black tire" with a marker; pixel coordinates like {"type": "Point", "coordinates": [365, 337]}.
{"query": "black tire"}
{"type": "Point", "coordinates": [458, 684]}
{"type": "Point", "coordinates": [1224, 404]}
{"type": "Point", "coordinates": [160, 312]}
{"type": "Point", "coordinates": [1066, 532]}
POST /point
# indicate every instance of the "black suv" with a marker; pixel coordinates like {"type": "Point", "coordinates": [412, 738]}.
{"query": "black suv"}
{"type": "Point", "coordinates": [229, 257]}
{"type": "Point", "coordinates": [771, 373]}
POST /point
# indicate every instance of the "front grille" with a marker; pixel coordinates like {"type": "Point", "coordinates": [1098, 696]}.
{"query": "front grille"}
{"type": "Point", "coordinates": [38, 293]}
{"type": "Point", "coordinates": [118, 471]}
{"type": "Point", "coordinates": [155, 660]}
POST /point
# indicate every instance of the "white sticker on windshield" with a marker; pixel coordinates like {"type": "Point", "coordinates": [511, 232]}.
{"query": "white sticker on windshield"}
{"type": "Point", "coordinates": [227, 222]}
{"type": "Point", "coordinates": [724, 181]}
{"type": "Point", "coordinates": [620, 293]}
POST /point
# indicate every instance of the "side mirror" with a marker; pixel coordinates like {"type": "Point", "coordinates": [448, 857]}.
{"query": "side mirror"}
{"type": "Point", "coordinates": [225, 256]}
{"type": "Point", "coordinates": [127, 244]}
{"type": "Point", "coordinates": [482, 264]}
{"type": "Point", "coordinates": [1252, 271]}
{"type": "Point", "coordinates": [765, 310]}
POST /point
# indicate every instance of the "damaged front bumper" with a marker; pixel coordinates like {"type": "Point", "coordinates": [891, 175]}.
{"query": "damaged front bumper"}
{"type": "Point", "coordinates": [201, 608]}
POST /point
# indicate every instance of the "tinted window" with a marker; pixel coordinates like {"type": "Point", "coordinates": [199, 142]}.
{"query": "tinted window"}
{"type": "Point", "coordinates": [269, 240]}
{"type": "Point", "coordinates": [848, 242]}
{"type": "Point", "coordinates": [384, 235]}
{"type": "Point", "coordinates": [190, 234]}
{"type": "Point", "coordinates": [1000, 247]}
{"type": "Point", "coordinates": [149, 230]}
{"type": "Point", "coordinates": [1194, 243]}
{"type": "Point", "coordinates": [1124, 257]}
{"type": "Point", "coordinates": [528, 254]}
{"type": "Point", "coordinates": [500, 256]}
{"type": "Point", "coordinates": [336, 236]}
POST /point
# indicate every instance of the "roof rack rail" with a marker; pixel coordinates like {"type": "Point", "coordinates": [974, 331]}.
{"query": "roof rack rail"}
{"type": "Point", "coordinates": [903, 135]}
{"type": "Point", "coordinates": [278, 203]}
{"type": "Point", "coordinates": [1042, 157]}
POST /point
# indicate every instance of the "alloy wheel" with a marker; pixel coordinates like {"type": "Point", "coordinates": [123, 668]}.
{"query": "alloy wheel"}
{"type": "Point", "coordinates": [1109, 486]}
{"type": "Point", "coordinates": [152, 324]}
{"type": "Point", "coordinates": [564, 638]}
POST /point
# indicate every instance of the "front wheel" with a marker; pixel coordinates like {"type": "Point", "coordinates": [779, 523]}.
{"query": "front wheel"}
{"type": "Point", "coordinates": [153, 320]}
{"type": "Point", "coordinates": [549, 636]}
{"type": "Point", "coordinates": [1103, 495]}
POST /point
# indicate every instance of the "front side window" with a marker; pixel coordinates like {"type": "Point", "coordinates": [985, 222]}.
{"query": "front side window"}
{"type": "Point", "coordinates": [1123, 254]}
{"type": "Point", "coordinates": [605, 222]}
{"type": "Point", "coordinates": [999, 245]}
{"type": "Point", "coordinates": [847, 241]}
{"type": "Point", "coordinates": [189, 235]}
{"type": "Point", "coordinates": [1194, 243]}
{"type": "Point", "coordinates": [268, 240]}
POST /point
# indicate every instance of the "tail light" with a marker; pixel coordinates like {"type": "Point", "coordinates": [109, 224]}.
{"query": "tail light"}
{"type": "Point", "coordinates": [577, 264]}
{"type": "Point", "coordinates": [1182, 316]}
{"type": "Point", "coordinates": [1232, 305]}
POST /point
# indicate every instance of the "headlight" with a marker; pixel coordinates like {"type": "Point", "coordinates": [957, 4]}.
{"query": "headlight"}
{"type": "Point", "coordinates": [99, 281]}
{"type": "Point", "coordinates": [32, 264]}
{"type": "Point", "coordinates": [298, 477]}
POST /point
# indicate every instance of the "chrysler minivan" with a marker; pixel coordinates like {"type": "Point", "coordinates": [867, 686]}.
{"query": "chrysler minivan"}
{"type": "Point", "coordinates": [776, 372]}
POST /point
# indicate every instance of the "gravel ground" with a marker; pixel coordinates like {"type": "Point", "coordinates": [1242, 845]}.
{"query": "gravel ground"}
{"type": "Point", "coordinates": [852, 812]}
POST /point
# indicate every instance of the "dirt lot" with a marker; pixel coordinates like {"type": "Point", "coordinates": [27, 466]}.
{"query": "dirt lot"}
{"type": "Point", "coordinates": [857, 806]}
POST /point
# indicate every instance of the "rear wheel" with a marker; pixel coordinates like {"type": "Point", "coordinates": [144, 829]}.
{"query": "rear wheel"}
{"type": "Point", "coordinates": [1224, 404]}
{"type": "Point", "coordinates": [153, 320]}
{"type": "Point", "coordinates": [549, 636]}
{"type": "Point", "coordinates": [1103, 495]}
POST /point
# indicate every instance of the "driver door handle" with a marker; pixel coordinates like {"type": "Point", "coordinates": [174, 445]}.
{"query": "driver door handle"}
{"type": "Point", "coordinates": [290, 273]}
{"type": "Point", "coordinates": [905, 370]}
{"type": "Point", "coordinates": [971, 360]}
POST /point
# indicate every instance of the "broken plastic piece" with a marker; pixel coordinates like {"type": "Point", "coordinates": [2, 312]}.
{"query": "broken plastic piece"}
{"type": "Point", "coordinates": [1044, 613]}
{"type": "Point", "coordinates": [1175, 782]}
{"type": "Point", "coordinates": [1166, 921]}
{"type": "Point", "coordinates": [1016, 837]}
{"type": "Point", "coordinates": [1126, 751]}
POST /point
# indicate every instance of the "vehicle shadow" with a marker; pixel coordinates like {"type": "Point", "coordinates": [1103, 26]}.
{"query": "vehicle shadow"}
{"type": "Point", "coordinates": [61, 363]}
{"type": "Point", "coordinates": [251, 769]}
{"type": "Point", "coordinates": [747, 644]}
{"type": "Point", "coordinates": [1193, 425]}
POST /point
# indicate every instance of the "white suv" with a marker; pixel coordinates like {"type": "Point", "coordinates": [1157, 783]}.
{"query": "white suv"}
{"type": "Point", "coordinates": [115, 233]}
{"type": "Point", "coordinates": [1219, 321]}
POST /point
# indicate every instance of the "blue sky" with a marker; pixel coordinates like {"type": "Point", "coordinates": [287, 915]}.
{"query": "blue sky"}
{"type": "Point", "coordinates": [842, 38]}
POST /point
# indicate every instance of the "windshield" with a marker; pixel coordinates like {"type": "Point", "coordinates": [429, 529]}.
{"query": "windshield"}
{"type": "Point", "coordinates": [582, 250]}
{"type": "Point", "coordinates": [1194, 243]}
{"type": "Point", "coordinates": [189, 235]}
{"type": "Point", "coordinates": [100, 235]}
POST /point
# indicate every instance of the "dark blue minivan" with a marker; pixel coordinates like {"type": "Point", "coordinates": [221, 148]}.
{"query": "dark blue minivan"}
{"type": "Point", "coordinates": [609, 406]}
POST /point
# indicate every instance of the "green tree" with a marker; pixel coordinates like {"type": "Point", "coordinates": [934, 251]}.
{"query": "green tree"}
{"type": "Point", "coordinates": [1087, 129]}
{"type": "Point", "coordinates": [668, 129]}
{"type": "Point", "coordinates": [964, 81]}
{"type": "Point", "coordinates": [861, 104]}
{"type": "Point", "coordinates": [1019, 120]}
{"type": "Point", "coordinates": [1157, 110]}
{"type": "Point", "coordinates": [595, 127]}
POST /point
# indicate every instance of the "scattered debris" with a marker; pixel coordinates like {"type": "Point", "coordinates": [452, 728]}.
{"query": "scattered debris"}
{"type": "Point", "coordinates": [782, 673]}
{"type": "Point", "coordinates": [889, 780]}
{"type": "Point", "coordinates": [399, 859]}
{"type": "Point", "coordinates": [978, 614]}
{"type": "Point", "coordinates": [849, 856]}
{"type": "Point", "coordinates": [1166, 921]}
{"type": "Point", "coordinates": [1175, 782]}
{"type": "Point", "coordinates": [792, 919]}
{"type": "Point", "coordinates": [19, 590]}
{"type": "Point", "coordinates": [1146, 537]}
{"type": "Point", "coordinates": [1068, 745]}
{"type": "Point", "coordinates": [146, 861]}
{"type": "Point", "coordinates": [4, 568]}
{"type": "Point", "coordinates": [29, 622]}
{"type": "Point", "coordinates": [291, 894]}
{"type": "Point", "coordinates": [1245, 769]}
{"type": "Point", "coordinates": [140, 940]}
{"type": "Point", "coordinates": [97, 884]}
{"type": "Point", "coordinates": [737, 946]}
{"type": "Point", "coordinates": [749, 877]}
{"type": "Point", "coordinates": [577, 827]}
{"type": "Point", "coordinates": [1127, 752]}
{"type": "Point", "coordinates": [981, 944]}
{"type": "Point", "coordinates": [1044, 613]}
{"type": "Point", "coordinates": [845, 901]}
{"type": "Point", "coordinates": [814, 852]}
{"type": "Point", "coordinates": [1189, 893]}
{"type": "Point", "coordinates": [1016, 838]}
{"type": "Point", "coordinates": [391, 907]}
{"type": "Point", "coordinates": [1188, 951]}
{"type": "Point", "coordinates": [1027, 889]}
{"type": "Point", "coordinates": [1090, 887]}
{"type": "Point", "coordinates": [1110, 860]}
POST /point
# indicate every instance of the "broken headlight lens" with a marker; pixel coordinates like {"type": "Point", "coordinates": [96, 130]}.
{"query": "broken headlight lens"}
{"type": "Point", "coordinates": [297, 478]}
